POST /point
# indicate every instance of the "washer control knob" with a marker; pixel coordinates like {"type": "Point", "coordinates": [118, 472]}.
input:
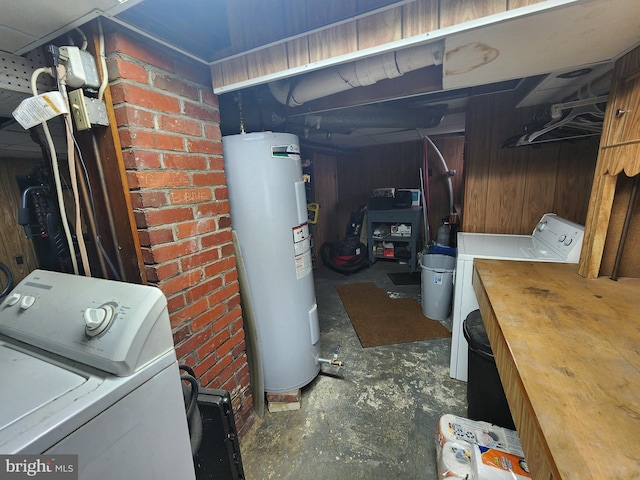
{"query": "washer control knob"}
{"type": "Point", "coordinates": [562, 238]}
{"type": "Point", "coordinates": [96, 320]}
{"type": "Point", "coordinates": [12, 299]}
{"type": "Point", "coordinates": [541, 226]}
{"type": "Point", "coordinates": [27, 302]}
{"type": "Point", "coordinates": [568, 241]}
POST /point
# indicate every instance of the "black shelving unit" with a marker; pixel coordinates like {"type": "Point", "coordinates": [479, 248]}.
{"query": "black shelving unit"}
{"type": "Point", "coordinates": [400, 216]}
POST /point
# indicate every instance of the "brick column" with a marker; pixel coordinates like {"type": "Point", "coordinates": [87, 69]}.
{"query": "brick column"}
{"type": "Point", "coordinates": [168, 122]}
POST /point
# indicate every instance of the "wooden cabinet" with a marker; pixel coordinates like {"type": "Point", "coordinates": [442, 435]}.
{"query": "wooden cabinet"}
{"type": "Point", "coordinates": [619, 153]}
{"type": "Point", "coordinates": [620, 143]}
{"type": "Point", "coordinates": [622, 124]}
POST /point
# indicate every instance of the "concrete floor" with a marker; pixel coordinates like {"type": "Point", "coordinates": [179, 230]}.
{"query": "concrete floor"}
{"type": "Point", "coordinates": [374, 418]}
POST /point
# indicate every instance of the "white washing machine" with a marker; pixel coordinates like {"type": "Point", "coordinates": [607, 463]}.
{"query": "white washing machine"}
{"type": "Point", "coordinates": [554, 239]}
{"type": "Point", "coordinates": [88, 368]}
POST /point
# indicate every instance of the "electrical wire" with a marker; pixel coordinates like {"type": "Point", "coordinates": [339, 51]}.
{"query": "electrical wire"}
{"type": "Point", "coordinates": [109, 211]}
{"type": "Point", "coordinates": [103, 86]}
{"type": "Point", "coordinates": [55, 168]}
{"type": "Point", "coordinates": [84, 190]}
{"type": "Point", "coordinates": [107, 259]}
{"type": "Point", "coordinates": [61, 87]}
{"type": "Point", "coordinates": [84, 38]}
{"type": "Point", "coordinates": [71, 164]}
{"type": "Point", "coordinates": [57, 180]}
{"type": "Point", "coordinates": [103, 61]}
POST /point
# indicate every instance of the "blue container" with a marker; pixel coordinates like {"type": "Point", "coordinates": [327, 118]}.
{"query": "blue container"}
{"type": "Point", "coordinates": [440, 250]}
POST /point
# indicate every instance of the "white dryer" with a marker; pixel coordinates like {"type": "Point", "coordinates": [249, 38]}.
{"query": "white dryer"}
{"type": "Point", "coordinates": [554, 239]}
{"type": "Point", "coordinates": [88, 368]}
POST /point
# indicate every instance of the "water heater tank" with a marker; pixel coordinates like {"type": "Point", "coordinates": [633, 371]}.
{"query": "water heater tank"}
{"type": "Point", "coordinates": [269, 216]}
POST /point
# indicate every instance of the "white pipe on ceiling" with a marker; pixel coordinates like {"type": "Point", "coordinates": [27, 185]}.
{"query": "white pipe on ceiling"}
{"type": "Point", "coordinates": [360, 73]}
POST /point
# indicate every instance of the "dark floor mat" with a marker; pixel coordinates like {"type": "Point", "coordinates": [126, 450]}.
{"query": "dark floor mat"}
{"type": "Point", "coordinates": [380, 320]}
{"type": "Point", "coordinates": [405, 278]}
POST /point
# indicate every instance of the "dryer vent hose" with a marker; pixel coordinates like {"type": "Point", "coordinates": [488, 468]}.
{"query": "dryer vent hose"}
{"type": "Point", "coordinates": [194, 419]}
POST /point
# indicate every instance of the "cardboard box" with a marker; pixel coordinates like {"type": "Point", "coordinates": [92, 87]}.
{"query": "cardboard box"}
{"type": "Point", "coordinates": [401, 230]}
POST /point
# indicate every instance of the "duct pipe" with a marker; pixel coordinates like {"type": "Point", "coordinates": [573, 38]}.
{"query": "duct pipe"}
{"type": "Point", "coordinates": [372, 117]}
{"type": "Point", "coordinates": [355, 74]}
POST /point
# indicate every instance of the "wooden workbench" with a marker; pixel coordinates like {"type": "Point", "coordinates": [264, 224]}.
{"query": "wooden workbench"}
{"type": "Point", "coordinates": [568, 352]}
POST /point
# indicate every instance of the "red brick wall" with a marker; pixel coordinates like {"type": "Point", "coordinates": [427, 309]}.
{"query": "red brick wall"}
{"type": "Point", "coordinates": [168, 121]}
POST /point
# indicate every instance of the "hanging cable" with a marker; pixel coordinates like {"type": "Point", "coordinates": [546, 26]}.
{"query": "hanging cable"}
{"type": "Point", "coordinates": [103, 61]}
{"type": "Point", "coordinates": [55, 169]}
{"type": "Point", "coordinates": [108, 260]}
{"type": "Point", "coordinates": [82, 36]}
{"type": "Point", "coordinates": [83, 181]}
{"type": "Point", "coordinates": [107, 205]}
{"type": "Point", "coordinates": [103, 87]}
{"type": "Point", "coordinates": [71, 164]}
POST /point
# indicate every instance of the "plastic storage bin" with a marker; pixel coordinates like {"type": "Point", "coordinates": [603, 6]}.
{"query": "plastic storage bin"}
{"type": "Point", "coordinates": [485, 396]}
{"type": "Point", "coordinates": [437, 285]}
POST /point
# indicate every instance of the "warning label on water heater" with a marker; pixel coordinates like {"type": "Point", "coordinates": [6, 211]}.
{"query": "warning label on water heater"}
{"type": "Point", "coordinates": [302, 249]}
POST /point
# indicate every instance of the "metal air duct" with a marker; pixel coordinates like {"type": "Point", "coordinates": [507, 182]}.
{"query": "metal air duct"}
{"type": "Point", "coordinates": [347, 120]}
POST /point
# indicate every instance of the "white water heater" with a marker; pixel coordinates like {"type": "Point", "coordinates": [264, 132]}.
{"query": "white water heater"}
{"type": "Point", "coordinates": [269, 216]}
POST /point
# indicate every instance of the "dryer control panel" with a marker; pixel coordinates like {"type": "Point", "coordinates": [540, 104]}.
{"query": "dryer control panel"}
{"type": "Point", "coordinates": [114, 326]}
{"type": "Point", "coordinates": [560, 236]}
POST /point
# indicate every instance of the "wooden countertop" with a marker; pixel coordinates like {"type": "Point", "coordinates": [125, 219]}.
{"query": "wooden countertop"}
{"type": "Point", "coordinates": [568, 352]}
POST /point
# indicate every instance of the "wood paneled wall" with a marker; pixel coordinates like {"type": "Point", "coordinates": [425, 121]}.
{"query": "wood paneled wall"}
{"type": "Point", "coordinates": [256, 30]}
{"type": "Point", "coordinates": [395, 165]}
{"type": "Point", "coordinates": [343, 184]}
{"type": "Point", "coordinates": [14, 245]}
{"type": "Point", "coordinates": [325, 193]}
{"type": "Point", "coordinates": [508, 189]}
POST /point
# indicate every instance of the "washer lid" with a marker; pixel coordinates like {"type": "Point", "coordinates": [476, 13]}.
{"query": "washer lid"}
{"type": "Point", "coordinates": [492, 245]}
{"type": "Point", "coordinates": [32, 384]}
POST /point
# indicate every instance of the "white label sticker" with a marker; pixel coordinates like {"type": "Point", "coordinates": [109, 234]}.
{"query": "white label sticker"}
{"type": "Point", "coordinates": [302, 250]}
{"type": "Point", "coordinates": [34, 110]}
{"type": "Point", "coordinates": [437, 278]}
{"type": "Point", "coordinates": [300, 233]}
{"type": "Point", "coordinates": [302, 247]}
{"type": "Point", "coordinates": [303, 265]}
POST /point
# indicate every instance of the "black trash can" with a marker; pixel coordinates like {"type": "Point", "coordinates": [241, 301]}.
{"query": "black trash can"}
{"type": "Point", "coordinates": [485, 396]}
